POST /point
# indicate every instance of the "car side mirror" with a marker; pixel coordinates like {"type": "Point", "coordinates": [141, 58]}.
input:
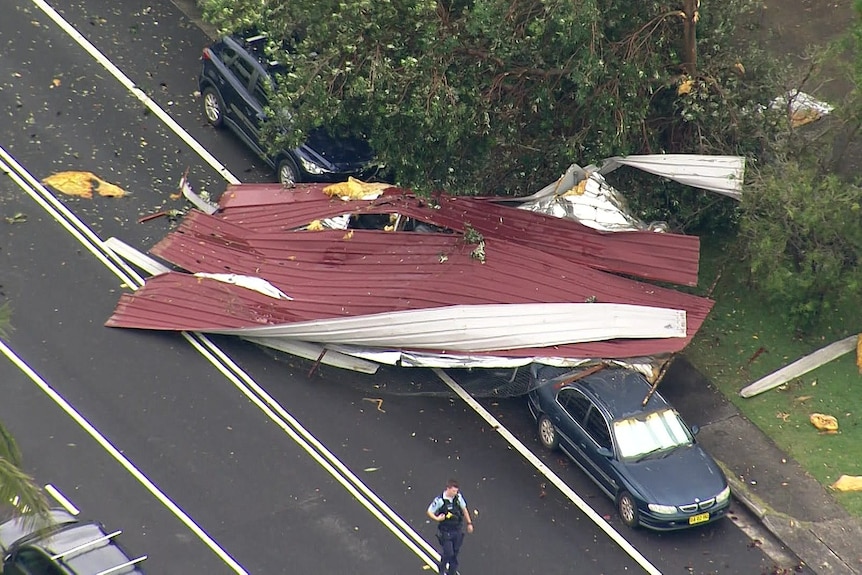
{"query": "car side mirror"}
{"type": "Point", "coordinates": [695, 429]}
{"type": "Point", "coordinates": [605, 452]}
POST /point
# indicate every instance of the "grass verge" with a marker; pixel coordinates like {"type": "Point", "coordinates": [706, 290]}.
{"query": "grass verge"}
{"type": "Point", "coordinates": [744, 339]}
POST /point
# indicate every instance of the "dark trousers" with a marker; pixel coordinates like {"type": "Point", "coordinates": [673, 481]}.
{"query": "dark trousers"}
{"type": "Point", "coordinates": [450, 540]}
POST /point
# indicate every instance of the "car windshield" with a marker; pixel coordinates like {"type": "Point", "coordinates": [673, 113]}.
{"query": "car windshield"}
{"type": "Point", "coordinates": [650, 433]}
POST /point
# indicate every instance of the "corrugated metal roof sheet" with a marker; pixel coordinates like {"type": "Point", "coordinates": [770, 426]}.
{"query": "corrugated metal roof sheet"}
{"type": "Point", "coordinates": [649, 255]}
{"type": "Point", "coordinates": [335, 273]}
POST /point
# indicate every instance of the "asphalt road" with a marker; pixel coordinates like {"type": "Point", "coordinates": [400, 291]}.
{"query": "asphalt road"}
{"type": "Point", "coordinates": [210, 469]}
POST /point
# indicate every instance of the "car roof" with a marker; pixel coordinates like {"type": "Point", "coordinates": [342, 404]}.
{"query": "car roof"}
{"type": "Point", "coordinates": [81, 547]}
{"type": "Point", "coordinates": [254, 47]}
{"type": "Point", "coordinates": [620, 392]}
{"type": "Point", "coordinates": [84, 549]}
{"type": "Point", "coordinates": [18, 528]}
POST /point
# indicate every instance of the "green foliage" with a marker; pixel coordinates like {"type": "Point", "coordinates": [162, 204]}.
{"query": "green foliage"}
{"type": "Point", "coordinates": [16, 487]}
{"type": "Point", "coordinates": [745, 338]}
{"type": "Point", "coordinates": [479, 96]}
{"type": "Point", "coordinates": [802, 240]}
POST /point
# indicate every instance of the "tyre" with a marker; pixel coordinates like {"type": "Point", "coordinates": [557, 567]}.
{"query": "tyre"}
{"type": "Point", "coordinates": [287, 172]}
{"type": "Point", "coordinates": [628, 509]}
{"type": "Point", "coordinates": [213, 107]}
{"type": "Point", "coordinates": [547, 433]}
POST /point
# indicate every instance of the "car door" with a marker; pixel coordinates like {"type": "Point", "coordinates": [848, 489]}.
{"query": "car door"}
{"type": "Point", "coordinates": [221, 72]}
{"type": "Point", "coordinates": [574, 407]}
{"type": "Point", "coordinates": [598, 437]}
{"type": "Point", "coordinates": [245, 107]}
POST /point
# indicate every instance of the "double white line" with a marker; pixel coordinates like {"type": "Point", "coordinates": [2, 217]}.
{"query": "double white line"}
{"type": "Point", "coordinates": [228, 367]}
{"type": "Point", "coordinates": [241, 380]}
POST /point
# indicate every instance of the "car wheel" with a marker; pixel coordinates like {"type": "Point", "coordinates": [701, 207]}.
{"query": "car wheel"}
{"type": "Point", "coordinates": [288, 174]}
{"type": "Point", "coordinates": [213, 107]}
{"type": "Point", "coordinates": [547, 433]}
{"type": "Point", "coordinates": [628, 509]}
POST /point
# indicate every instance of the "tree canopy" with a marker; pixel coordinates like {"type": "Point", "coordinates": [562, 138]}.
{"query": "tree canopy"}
{"type": "Point", "coordinates": [501, 96]}
{"type": "Point", "coordinates": [484, 96]}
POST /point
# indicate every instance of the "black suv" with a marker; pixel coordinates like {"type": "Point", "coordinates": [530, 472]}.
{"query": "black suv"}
{"type": "Point", "coordinates": [234, 82]}
{"type": "Point", "coordinates": [62, 544]}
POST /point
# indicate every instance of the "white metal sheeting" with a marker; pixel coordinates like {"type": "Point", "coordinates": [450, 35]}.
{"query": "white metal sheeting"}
{"type": "Point", "coordinates": [476, 328]}
{"type": "Point", "coordinates": [722, 174]}
{"type": "Point", "coordinates": [585, 197]}
{"type": "Point", "coordinates": [582, 194]}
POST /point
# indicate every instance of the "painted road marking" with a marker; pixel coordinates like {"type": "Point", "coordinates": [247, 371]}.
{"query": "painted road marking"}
{"type": "Point", "coordinates": [60, 498]}
{"type": "Point", "coordinates": [115, 453]}
{"type": "Point", "coordinates": [221, 361]}
{"type": "Point", "coordinates": [546, 471]}
{"type": "Point", "coordinates": [137, 92]}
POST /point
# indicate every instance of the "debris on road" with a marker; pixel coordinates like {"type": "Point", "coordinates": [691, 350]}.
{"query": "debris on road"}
{"type": "Point", "coordinates": [17, 218]}
{"type": "Point", "coordinates": [379, 403]}
{"type": "Point", "coordinates": [83, 184]}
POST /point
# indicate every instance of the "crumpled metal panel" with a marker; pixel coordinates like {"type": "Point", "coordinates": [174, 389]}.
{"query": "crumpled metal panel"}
{"type": "Point", "coordinates": [358, 272]}
{"type": "Point", "coordinates": [722, 174]}
{"type": "Point", "coordinates": [672, 258]}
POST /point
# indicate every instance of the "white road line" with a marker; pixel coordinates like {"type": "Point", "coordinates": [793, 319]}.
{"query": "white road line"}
{"type": "Point", "coordinates": [121, 459]}
{"type": "Point", "coordinates": [546, 471]}
{"type": "Point", "coordinates": [61, 499]}
{"type": "Point", "coordinates": [241, 380]}
{"type": "Point", "coordinates": [65, 218]}
{"type": "Point", "coordinates": [137, 92]}
{"type": "Point", "coordinates": [285, 420]}
{"type": "Point", "coordinates": [319, 452]}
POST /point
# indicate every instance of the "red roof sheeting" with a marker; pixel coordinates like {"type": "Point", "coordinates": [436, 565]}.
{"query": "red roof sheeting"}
{"type": "Point", "coordinates": [671, 258]}
{"type": "Point", "coordinates": [529, 257]}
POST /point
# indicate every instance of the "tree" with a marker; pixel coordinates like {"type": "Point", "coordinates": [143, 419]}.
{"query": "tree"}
{"type": "Point", "coordinates": [801, 238]}
{"type": "Point", "coordinates": [499, 96]}
{"type": "Point", "coordinates": [16, 487]}
{"type": "Point", "coordinates": [480, 96]}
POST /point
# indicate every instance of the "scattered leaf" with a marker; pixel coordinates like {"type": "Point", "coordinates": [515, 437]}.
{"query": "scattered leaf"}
{"type": "Point", "coordinates": [55, 83]}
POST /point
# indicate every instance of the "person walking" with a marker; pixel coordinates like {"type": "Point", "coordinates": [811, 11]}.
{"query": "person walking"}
{"type": "Point", "coordinates": [450, 512]}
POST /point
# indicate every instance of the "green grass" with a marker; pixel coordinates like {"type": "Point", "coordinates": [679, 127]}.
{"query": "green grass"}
{"type": "Point", "coordinates": [744, 339]}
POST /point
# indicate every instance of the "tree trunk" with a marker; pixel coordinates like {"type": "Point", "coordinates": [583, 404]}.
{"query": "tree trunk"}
{"type": "Point", "coordinates": [690, 36]}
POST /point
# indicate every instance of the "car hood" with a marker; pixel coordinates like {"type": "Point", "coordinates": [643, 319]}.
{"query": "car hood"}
{"type": "Point", "coordinates": [683, 476]}
{"type": "Point", "coordinates": [339, 152]}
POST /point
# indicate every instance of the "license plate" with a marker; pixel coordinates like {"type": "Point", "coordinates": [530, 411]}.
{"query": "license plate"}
{"type": "Point", "coordinates": [701, 518]}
